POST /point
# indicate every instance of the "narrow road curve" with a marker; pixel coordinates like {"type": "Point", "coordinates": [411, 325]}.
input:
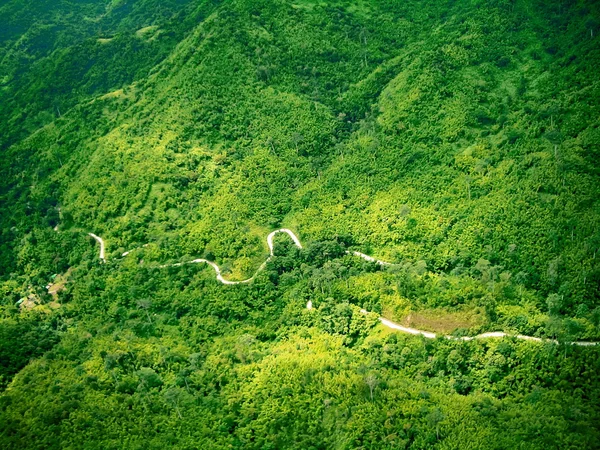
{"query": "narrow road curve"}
{"type": "Point", "coordinates": [370, 258]}
{"type": "Point", "coordinates": [385, 322]}
{"type": "Point", "coordinates": [493, 334]}
{"type": "Point", "coordinates": [262, 266]}
{"type": "Point", "coordinates": [101, 242]}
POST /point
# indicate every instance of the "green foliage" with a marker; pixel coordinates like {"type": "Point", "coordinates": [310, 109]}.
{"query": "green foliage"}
{"type": "Point", "coordinates": [458, 140]}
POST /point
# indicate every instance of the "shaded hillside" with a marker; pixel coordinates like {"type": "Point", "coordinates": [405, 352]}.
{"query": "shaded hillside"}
{"type": "Point", "coordinates": [457, 139]}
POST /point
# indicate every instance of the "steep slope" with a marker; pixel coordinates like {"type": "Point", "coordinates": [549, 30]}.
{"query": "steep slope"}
{"type": "Point", "coordinates": [457, 139]}
{"type": "Point", "coordinates": [441, 147]}
{"type": "Point", "coordinates": [54, 55]}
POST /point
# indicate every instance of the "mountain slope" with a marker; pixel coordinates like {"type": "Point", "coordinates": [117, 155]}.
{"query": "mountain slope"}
{"type": "Point", "coordinates": [456, 139]}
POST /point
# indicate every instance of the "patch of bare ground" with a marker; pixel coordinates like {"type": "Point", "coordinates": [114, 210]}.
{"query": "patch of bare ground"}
{"type": "Point", "coordinates": [444, 322]}
{"type": "Point", "coordinates": [58, 285]}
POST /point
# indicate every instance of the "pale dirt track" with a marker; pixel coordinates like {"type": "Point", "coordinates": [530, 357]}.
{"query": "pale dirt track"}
{"type": "Point", "coordinates": [101, 242]}
{"type": "Point", "coordinates": [385, 322]}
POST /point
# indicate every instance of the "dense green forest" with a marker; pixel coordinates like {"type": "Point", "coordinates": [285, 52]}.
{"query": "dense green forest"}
{"type": "Point", "coordinates": [457, 139]}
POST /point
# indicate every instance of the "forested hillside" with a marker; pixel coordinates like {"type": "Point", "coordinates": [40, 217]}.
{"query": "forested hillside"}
{"type": "Point", "coordinates": [458, 140]}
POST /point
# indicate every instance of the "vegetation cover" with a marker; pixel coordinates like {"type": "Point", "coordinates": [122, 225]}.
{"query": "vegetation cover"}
{"type": "Point", "coordinates": [458, 139]}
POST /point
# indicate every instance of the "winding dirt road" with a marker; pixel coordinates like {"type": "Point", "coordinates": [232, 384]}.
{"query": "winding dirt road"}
{"type": "Point", "coordinates": [262, 266]}
{"type": "Point", "coordinates": [493, 334]}
{"type": "Point", "coordinates": [101, 242]}
{"type": "Point", "coordinates": [385, 322]}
